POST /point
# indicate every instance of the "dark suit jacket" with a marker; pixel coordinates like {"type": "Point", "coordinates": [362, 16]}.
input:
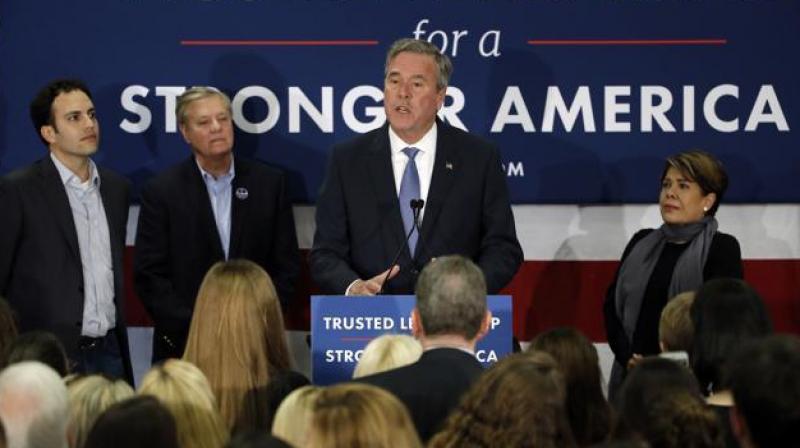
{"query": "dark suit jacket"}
{"type": "Point", "coordinates": [41, 273]}
{"type": "Point", "coordinates": [431, 387]}
{"type": "Point", "coordinates": [359, 227]}
{"type": "Point", "coordinates": [177, 242]}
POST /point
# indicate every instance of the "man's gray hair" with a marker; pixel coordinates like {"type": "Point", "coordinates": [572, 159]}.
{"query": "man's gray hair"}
{"type": "Point", "coordinates": [33, 406]}
{"type": "Point", "coordinates": [443, 65]}
{"type": "Point", "coordinates": [451, 297]}
{"type": "Point", "coordinates": [195, 93]}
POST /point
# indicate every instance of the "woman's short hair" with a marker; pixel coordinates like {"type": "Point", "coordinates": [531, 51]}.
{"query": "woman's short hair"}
{"type": "Point", "coordinates": [237, 340]}
{"type": "Point", "coordinates": [140, 421]}
{"type": "Point", "coordinates": [518, 402]}
{"type": "Point", "coordinates": [587, 409]}
{"type": "Point", "coordinates": [726, 313]}
{"type": "Point", "coordinates": [387, 352]}
{"type": "Point", "coordinates": [348, 415]}
{"type": "Point", "coordinates": [293, 418]}
{"type": "Point", "coordinates": [675, 328]}
{"type": "Point", "coordinates": [704, 169]}
{"type": "Point", "coordinates": [89, 396]}
{"type": "Point", "coordinates": [184, 390]}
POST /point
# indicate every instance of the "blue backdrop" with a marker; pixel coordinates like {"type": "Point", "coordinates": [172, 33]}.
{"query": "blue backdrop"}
{"type": "Point", "coordinates": [584, 98]}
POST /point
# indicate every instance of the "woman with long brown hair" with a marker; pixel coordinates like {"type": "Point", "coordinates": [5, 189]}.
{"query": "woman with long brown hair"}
{"type": "Point", "coordinates": [237, 339]}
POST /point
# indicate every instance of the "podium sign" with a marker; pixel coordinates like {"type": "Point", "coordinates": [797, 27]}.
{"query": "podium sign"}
{"type": "Point", "coordinates": [342, 326]}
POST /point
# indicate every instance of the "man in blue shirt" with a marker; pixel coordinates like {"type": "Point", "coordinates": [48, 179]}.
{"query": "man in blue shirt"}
{"type": "Point", "coordinates": [62, 236]}
{"type": "Point", "coordinates": [211, 207]}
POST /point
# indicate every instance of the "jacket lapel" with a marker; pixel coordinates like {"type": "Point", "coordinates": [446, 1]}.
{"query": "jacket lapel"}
{"type": "Point", "coordinates": [198, 197]}
{"type": "Point", "coordinates": [240, 207]}
{"type": "Point", "coordinates": [57, 200]}
{"type": "Point", "coordinates": [445, 168]}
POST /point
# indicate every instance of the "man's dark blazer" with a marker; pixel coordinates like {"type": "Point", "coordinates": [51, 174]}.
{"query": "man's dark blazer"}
{"type": "Point", "coordinates": [177, 241]}
{"type": "Point", "coordinates": [41, 273]}
{"type": "Point", "coordinates": [467, 212]}
{"type": "Point", "coordinates": [431, 387]}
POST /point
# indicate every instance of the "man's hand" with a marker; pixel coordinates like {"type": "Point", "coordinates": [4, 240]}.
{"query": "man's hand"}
{"type": "Point", "coordinates": [635, 359]}
{"type": "Point", "coordinates": [372, 286]}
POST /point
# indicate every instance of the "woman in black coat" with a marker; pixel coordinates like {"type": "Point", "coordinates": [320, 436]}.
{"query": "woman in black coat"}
{"type": "Point", "coordinates": [679, 256]}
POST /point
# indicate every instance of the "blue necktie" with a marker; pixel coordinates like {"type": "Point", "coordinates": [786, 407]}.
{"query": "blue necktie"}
{"type": "Point", "coordinates": [409, 189]}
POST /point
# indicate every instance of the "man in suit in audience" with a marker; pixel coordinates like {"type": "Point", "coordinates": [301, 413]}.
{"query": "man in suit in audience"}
{"type": "Point", "coordinates": [764, 376]}
{"type": "Point", "coordinates": [211, 207]}
{"type": "Point", "coordinates": [450, 316]}
{"type": "Point", "coordinates": [363, 213]}
{"type": "Point", "coordinates": [62, 236]}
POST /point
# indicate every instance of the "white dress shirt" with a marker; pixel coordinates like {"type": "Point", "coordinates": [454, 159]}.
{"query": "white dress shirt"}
{"type": "Point", "coordinates": [425, 159]}
{"type": "Point", "coordinates": [94, 244]}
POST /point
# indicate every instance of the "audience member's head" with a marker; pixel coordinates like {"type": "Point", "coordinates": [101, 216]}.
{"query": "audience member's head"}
{"type": "Point", "coordinates": [237, 340]}
{"type": "Point", "coordinates": [660, 402]}
{"type": "Point", "coordinates": [451, 300]}
{"type": "Point", "coordinates": [359, 415]}
{"type": "Point", "coordinates": [257, 439]}
{"type": "Point", "coordinates": [725, 313]}
{"type": "Point", "coordinates": [293, 419]}
{"type": "Point", "coordinates": [387, 352]}
{"type": "Point", "coordinates": [675, 329]}
{"type": "Point", "coordinates": [184, 390]}
{"type": "Point", "coordinates": [33, 406]}
{"type": "Point", "coordinates": [679, 420]}
{"type": "Point", "coordinates": [89, 396]}
{"type": "Point", "coordinates": [39, 346]}
{"type": "Point", "coordinates": [140, 421]}
{"type": "Point", "coordinates": [8, 329]}
{"type": "Point", "coordinates": [764, 376]}
{"type": "Point", "coordinates": [518, 402]}
{"type": "Point", "coordinates": [587, 409]}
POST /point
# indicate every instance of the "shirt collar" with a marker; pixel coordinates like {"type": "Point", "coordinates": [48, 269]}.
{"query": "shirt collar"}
{"type": "Point", "coordinates": [426, 143]}
{"type": "Point", "coordinates": [208, 177]}
{"type": "Point", "coordinates": [67, 176]}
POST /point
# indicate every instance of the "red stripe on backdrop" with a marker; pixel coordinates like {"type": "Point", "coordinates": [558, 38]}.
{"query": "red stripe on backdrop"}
{"type": "Point", "coordinates": [549, 294]}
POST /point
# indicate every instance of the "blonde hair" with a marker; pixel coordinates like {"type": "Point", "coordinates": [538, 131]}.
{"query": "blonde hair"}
{"type": "Point", "coordinates": [237, 339]}
{"type": "Point", "coordinates": [675, 327]}
{"type": "Point", "coordinates": [183, 389]}
{"type": "Point", "coordinates": [353, 415]}
{"type": "Point", "coordinates": [293, 418]}
{"type": "Point", "coordinates": [387, 352]}
{"type": "Point", "coordinates": [89, 396]}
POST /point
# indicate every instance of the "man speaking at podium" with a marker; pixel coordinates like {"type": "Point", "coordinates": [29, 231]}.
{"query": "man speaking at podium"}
{"type": "Point", "coordinates": [461, 204]}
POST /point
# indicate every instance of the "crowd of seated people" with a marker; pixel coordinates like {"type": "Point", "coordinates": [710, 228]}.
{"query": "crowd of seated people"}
{"type": "Point", "coordinates": [235, 386]}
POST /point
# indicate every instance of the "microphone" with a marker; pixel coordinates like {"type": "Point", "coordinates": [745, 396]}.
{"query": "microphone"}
{"type": "Point", "coordinates": [416, 206]}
